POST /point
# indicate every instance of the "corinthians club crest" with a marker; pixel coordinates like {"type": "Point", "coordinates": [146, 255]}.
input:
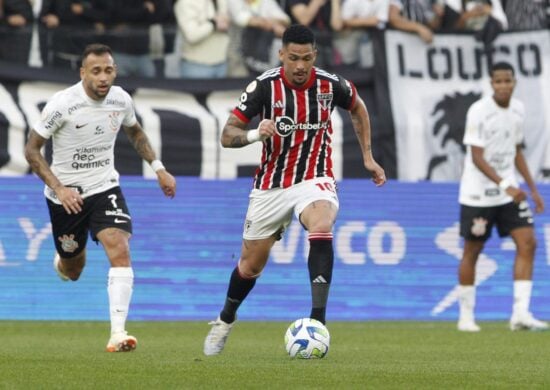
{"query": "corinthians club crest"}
{"type": "Point", "coordinates": [68, 243]}
{"type": "Point", "coordinates": [479, 226]}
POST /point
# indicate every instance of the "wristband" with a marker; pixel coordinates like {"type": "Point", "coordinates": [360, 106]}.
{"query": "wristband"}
{"type": "Point", "coordinates": [504, 184]}
{"type": "Point", "coordinates": [157, 165]}
{"type": "Point", "coordinates": [253, 135]}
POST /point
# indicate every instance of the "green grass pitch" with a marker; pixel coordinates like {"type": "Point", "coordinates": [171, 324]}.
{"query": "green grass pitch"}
{"type": "Point", "coordinates": [363, 355]}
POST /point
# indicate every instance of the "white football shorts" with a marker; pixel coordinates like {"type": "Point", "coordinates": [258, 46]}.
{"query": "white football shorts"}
{"type": "Point", "coordinates": [270, 211]}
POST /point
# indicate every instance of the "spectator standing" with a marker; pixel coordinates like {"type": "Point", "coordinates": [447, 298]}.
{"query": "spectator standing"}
{"type": "Point", "coordinates": [16, 30]}
{"type": "Point", "coordinates": [24, 31]}
{"type": "Point", "coordinates": [472, 15]}
{"type": "Point", "coordinates": [129, 34]}
{"type": "Point", "coordinates": [526, 14]}
{"type": "Point", "coordinates": [324, 17]}
{"type": "Point", "coordinates": [80, 23]}
{"type": "Point", "coordinates": [49, 19]}
{"type": "Point", "coordinates": [421, 17]}
{"type": "Point", "coordinates": [360, 16]}
{"type": "Point", "coordinates": [484, 17]}
{"type": "Point", "coordinates": [204, 27]}
{"type": "Point", "coordinates": [254, 32]}
{"type": "Point", "coordinates": [491, 196]}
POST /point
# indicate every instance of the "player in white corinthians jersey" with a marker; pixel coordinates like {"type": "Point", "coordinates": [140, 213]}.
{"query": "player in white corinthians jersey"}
{"type": "Point", "coordinates": [295, 173]}
{"type": "Point", "coordinates": [490, 195]}
{"type": "Point", "coordinates": [82, 187]}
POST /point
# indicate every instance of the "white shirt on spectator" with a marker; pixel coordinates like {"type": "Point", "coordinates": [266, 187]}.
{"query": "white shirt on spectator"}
{"type": "Point", "coordinates": [366, 8]}
{"type": "Point", "coordinates": [201, 42]}
{"type": "Point", "coordinates": [241, 11]}
{"type": "Point", "coordinates": [497, 10]}
{"type": "Point", "coordinates": [420, 11]}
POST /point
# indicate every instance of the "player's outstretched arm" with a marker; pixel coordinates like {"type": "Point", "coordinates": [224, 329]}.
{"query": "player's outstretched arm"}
{"type": "Point", "coordinates": [140, 142]}
{"type": "Point", "coordinates": [69, 198]}
{"type": "Point", "coordinates": [235, 134]}
{"type": "Point", "coordinates": [361, 125]}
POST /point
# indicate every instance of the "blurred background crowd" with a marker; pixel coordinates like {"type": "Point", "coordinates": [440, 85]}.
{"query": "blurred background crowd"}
{"type": "Point", "coordinates": [237, 38]}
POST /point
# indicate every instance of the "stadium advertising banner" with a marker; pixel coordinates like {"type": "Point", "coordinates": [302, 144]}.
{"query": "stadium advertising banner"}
{"type": "Point", "coordinates": [396, 255]}
{"type": "Point", "coordinates": [432, 87]}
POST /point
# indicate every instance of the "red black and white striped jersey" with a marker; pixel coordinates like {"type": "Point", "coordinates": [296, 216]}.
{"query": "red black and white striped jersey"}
{"type": "Point", "coordinates": [301, 148]}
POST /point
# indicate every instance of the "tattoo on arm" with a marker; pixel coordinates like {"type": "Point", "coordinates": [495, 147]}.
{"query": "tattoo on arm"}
{"type": "Point", "coordinates": [234, 133]}
{"type": "Point", "coordinates": [37, 162]}
{"type": "Point", "coordinates": [239, 141]}
{"type": "Point", "coordinates": [140, 142]}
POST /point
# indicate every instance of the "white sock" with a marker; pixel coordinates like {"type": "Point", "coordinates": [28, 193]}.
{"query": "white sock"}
{"type": "Point", "coordinates": [120, 284]}
{"type": "Point", "coordinates": [466, 302]}
{"type": "Point", "coordinates": [522, 296]}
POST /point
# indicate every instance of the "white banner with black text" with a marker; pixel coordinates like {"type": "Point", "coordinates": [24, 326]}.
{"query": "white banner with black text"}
{"type": "Point", "coordinates": [432, 87]}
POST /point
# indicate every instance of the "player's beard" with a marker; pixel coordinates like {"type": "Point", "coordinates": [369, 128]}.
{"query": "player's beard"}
{"type": "Point", "coordinates": [102, 91]}
{"type": "Point", "coordinates": [300, 78]}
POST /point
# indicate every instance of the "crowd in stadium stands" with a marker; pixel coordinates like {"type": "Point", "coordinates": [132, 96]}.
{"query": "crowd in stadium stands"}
{"type": "Point", "coordinates": [237, 38]}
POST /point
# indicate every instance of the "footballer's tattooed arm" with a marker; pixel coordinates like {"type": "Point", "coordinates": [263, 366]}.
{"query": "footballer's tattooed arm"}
{"type": "Point", "coordinates": [234, 133]}
{"type": "Point", "coordinates": [38, 163]}
{"type": "Point", "coordinates": [70, 199]}
{"type": "Point", "coordinates": [140, 142]}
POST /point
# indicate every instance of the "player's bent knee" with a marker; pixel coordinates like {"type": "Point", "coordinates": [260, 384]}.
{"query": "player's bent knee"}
{"type": "Point", "coordinates": [74, 276]}
{"type": "Point", "coordinates": [528, 246]}
{"type": "Point", "coordinates": [119, 256]}
{"type": "Point", "coordinates": [248, 272]}
{"type": "Point", "coordinates": [323, 227]}
{"type": "Point", "coordinates": [72, 270]}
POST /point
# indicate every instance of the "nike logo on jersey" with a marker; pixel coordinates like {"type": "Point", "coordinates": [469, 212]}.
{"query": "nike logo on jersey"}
{"type": "Point", "coordinates": [120, 220]}
{"type": "Point", "coordinates": [81, 126]}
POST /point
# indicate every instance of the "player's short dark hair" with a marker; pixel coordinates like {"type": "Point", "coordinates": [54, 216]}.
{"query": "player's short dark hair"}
{"type": "Point", "coordinates": [96, 49]}
{"type": "Point", "coordinates": [299, 34]}
{"type": "Point", "coordinates": [502, 65]}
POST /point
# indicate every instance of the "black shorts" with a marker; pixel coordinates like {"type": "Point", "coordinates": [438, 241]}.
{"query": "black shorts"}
{"type": "Point", "coordinates": [100, 211]}
{"type": "Point", "coordinates": [476, 223]}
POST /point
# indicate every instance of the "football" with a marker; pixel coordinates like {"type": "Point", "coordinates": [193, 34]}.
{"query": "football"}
{"type": "Point", "coordinates": [307, 338]}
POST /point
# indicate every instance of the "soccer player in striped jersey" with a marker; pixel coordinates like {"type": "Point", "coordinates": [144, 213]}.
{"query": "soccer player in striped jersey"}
{"type": "Point", "coordinates": [295, 173]}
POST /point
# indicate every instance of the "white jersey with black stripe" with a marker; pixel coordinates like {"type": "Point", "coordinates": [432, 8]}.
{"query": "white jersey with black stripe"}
{"type": "Point", "coordinates": [83, 133]}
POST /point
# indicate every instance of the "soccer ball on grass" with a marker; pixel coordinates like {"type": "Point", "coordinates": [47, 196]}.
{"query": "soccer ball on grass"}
{"type": "Point", "coordinates": [307, 338]}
